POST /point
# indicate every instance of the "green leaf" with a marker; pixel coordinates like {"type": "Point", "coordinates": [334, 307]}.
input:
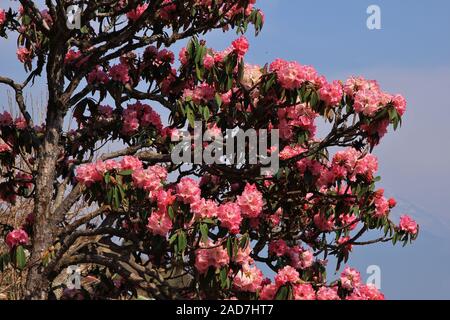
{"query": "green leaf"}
{"type": "Point", "coordinates": [190, 117]}
{"type": "Point", "coordinates": [218, 100]}
{"type": "Point", "coordinates": [171, 213]}
{"type": "Point", "coordinates": [126, 172]}
{"type": "Point", "coordinates": [116, 201]}
{"type": "Point", "coordinates": [21, 260]}
{"type": "Point", "coordinates": [314, 99]}
{"type": "Point", "coordinates": [223, 277]}
{"type": "Point", "coordinates": [283, 293]}
{"type": "Point", "coordinates": [182, 241]}
{"type": "Point", "coordinates": [204, 232]}
{"type": "Point", "coordinates": [4, 261]}
{"type": "Point", "coordinates": [173, 238]}
{"type": "Point", "coordinates": [206, 113]}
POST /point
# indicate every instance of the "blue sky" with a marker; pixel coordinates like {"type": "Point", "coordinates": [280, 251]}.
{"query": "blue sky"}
{"type": "Point", "coordinates": [409, 55]}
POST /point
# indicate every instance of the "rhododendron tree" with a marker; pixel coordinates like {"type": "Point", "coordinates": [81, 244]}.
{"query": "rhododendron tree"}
{"type": "Point", "coordinates": [160, 229]}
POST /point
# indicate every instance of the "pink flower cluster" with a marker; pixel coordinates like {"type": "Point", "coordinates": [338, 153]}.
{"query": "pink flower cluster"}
{"type": "Point", "coordinates": [94, 172]}
{"type": "Point", "coordinates": [288, 275]}
{"type": "Point", "coordinates": [168, 10]}
{"type": "Point", "coordinates": [97, 76]}
{"type": "Point", "coordinates": [72, 56]}
{"type": "Point", "coordinates": [24, 55]}
{"type": "Point", "coordinates": [369, 98]}
{"type": "Point", "coordinates": [331, 93]}
{"type": "Point", "coordinates": [299, 116]}
{"type": "Point", "coordinates": [17, 237]}
{"type": "Point", "coordinates": [290, 152]}
{"type": "Point", "coordinates": [135, 14]}
{"type": "Point", "coordinates": [159, 222]}
{"type": "Point", "coordinates": [240, 46]}
{"type": "Point", "coordinates": [139, 115]}
{"type": "Point", "coordinates": [204, 209]}
{"type": "Point", "coordinates": [351, 280]}
{"type": "Point", "coordinates": [230, 217]}
{"type": "Point", "coordinates": [202, 93]}
{"type": "Point", "coordinates": [292, 75]}
{"type": "Point", "coordinates": [2, 17]}
{"type": "Point", "coordinates": [408, 225]}
{"type": "Point", "coordinates": [4, 148]}
{"type": "Point", "coordinates": [250, 202]}
{"type": "Point", "coordinates": [211, 255]}
{"type": "Point", "coordinates": [119, 73]}
{"type": "Point", "coordinates": [188, 191]}
{"type": "Point", "coordinates": [6, 120]}
{"type": "Point", "coordinates": [248, 279]}
{"type": "Point", "coordinates": [299, 258]}
{"type": "Point", "coordinates": [150, 179]}
{"type": "Point", "coordinates": [350, 163]}
{"type": "Point", "coordinates": [157, 58]}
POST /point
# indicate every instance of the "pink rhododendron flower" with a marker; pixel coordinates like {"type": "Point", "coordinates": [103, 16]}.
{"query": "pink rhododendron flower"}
{"type": "Point", "coordinates": [291, 75]}
{"type": "Point", "coordinates": [304, 292]}
{"type": "Point", "coordinates": [20, 123]}
{"type": "Point", "coordinates": [210, 255]}
{"type": "Point", "coordinates": [399, 104]}
{"type": "Point", "coordinates": [183, 56]}
{"type": "Point", "coordinates": [159, 222]}
{"type": "Point", "coordinates": [188, 190]}
{"type": "Point", "coordinates": [278, 247]}
{"type": "Point", "coordinates": [300, 258]}
{"type": "Point", "coordinates": [268, 292]}
{"type": "Point", "coordinates": [201, 94]}
{"type": "Point", "coordinates": [366, 292]}
{"type": "Point", "coordinates": [408, 225]}
{"type": "Point", "coordinates": [97, 76]}
{"type": "Point", "coordinates": [343, 241]}
{"type": "Point", "coordinates": [327, 293]}
{"type": "Point", "coordinates": [88, 174]}
{"type": "Point", "coordinates": [251, 201]}
{"type": "Point", "coordinates": [243, 256]}
{"type": "Point", "coordinates": [286, 275]}
{"type": "Point", "coordinates": [229, 215]}
{"type": "Point", "coordinates": [5, 148]}
{"type": "Point", "coordinates": [130, 163]}
{"type": "Point", "coordinates": [119, 73]}
{"type": "Point", "coordinates": [291, 152]}
{"type": "Point", "coordinates": [135, 14]}
{"type": "Point", "coordinates": [24, 55]}
{"type": "Point", "coordinates": [150, 179]}
{"type": "Point", "coordinates": [240, 46]}
{"type": "Point", "coordinates": [6, 119]}
{"type": "Point", "coordinates": [248, 279]}
{"type": "Point", "coordinates": [204, 208]}
{"type": "Point", "coordinates": [331, 93]}
{"type": "Point", "coordinates": [2, 17]}
{"type": "Point", "coordinates": [208, 61]}
{"type": "Point", "coordinates": [349, 220]}
{"type": "Point", "coordinates": [350, 278]}
{"type": "Point", "coordinates": [323, 223]}
{"type": "Point", "coordinates": [16, 237]}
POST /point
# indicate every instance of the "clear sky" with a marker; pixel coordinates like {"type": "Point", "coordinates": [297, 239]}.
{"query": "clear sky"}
{"type": "Point", "coordinates": [409, 55]}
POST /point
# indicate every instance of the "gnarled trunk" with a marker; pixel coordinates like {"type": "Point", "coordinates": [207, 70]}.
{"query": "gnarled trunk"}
{"type": "Point", "coordinates": [46, 223]}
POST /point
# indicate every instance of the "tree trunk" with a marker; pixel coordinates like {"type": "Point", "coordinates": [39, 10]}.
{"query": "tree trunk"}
{"type": "Point", "coordinates": [37, 284]}
{"type": "Point", "coordinates": [45, 225]}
